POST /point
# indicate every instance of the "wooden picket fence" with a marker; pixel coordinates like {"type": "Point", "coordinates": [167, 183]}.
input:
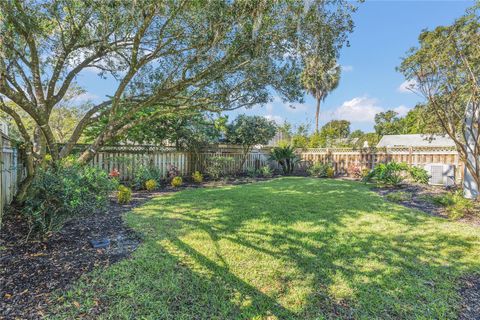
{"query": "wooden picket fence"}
{"type": "Point", "coordinates": [127, 158]}
{"type": "Point", "coordinates": [11, 173]}
{"type": "Point", "coordinates": [341, 158]}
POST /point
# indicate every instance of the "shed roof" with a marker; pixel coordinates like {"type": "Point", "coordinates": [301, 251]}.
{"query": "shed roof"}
{"type": "Point", "coordinates": [415, 140]}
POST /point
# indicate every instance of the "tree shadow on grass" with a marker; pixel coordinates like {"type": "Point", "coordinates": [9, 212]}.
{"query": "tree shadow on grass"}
{"type": "Point", "coordinates": [406, 266]}
{"type": "Point", "coordinates": [291, 249]}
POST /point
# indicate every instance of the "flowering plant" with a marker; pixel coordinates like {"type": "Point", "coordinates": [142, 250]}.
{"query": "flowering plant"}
{"type": "Point", "coordinates": [114, 173]}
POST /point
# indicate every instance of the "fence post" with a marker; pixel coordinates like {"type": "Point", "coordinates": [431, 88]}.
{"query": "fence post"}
{"type": "Point", "coordinates": [2, 160]}
{"type": "Point", "coordinates": [373, 158]}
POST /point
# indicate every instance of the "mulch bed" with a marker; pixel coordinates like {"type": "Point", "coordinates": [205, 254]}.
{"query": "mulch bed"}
{"type": "Point", "coordinates": [31, 271]}
{"type": "Point", "coordinates": [470, 298]}
{"type": "Point", "coordinates": [419, 192]}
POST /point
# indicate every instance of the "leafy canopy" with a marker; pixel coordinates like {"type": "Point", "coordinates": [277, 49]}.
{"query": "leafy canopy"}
{"type": "Point", "coordinates": [248, 131]}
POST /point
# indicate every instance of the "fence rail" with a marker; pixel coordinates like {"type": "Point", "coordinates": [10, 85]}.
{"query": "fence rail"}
{"type": "Point", "coordinates": [127, 158]}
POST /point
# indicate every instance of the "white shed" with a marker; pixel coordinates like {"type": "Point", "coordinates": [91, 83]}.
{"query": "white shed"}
{"type": "Point", "coordinates": [415, 140]}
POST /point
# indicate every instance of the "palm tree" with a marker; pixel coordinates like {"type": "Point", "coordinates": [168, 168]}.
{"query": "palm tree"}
{"type": "Point", "coordinates": [320, 78]}
{"type": "Point", "coordinates": [286, 158]}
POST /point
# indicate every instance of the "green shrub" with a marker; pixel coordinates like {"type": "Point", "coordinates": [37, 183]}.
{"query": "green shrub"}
{"type": "Point", "coordinates": [330, 172]}
{"type": "Point", "coordinates": [197, 177]}
{"type": "Point", "coordinates": [217, 166]}
{"type": "Point", "coordinates": [143, 174]}
{"type": "Point", "coordinates": [394, 173]}
{"type": "Point", "coordinates": [58, 194]}
{"type": "Point", "coordinates": [266, 172]}
{"type": "Point", "coordinates": [391, 173]}
{"type": "Point", "coordinates": [253, 173]}
{"type": "Point", "coordinates": [124, 194]}
{"type": "Point", "coordinates": [399, 196]}
{"type": "Point", "coordinates": [365, 172]}
{"type": "Point", "coordinates": [455, 204]}
{"type": "Point", "coordinates": [177, 182]}
{"type": "Point", "coordinates": [419, 174]}
{"type": "Point", "coordinates": [150, 185]}
{"type": "Point", "coordinates": [321, 170]}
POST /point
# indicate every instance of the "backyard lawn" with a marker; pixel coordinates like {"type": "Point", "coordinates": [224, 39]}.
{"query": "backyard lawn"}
{"type": "Point", "coordinates": [289, 248]}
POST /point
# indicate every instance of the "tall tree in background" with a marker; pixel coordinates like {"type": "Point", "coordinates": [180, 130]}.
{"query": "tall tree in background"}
{"type": "Point", "coordinates": [446, 70]}
{"type": "Point", "coordinates": [163, 58]}
{"type": "Point", "coordinates": [388, 122]}
{"type": "Point", "coordinates": [320, 78]}
{"type": "Point", "coordinates": [320, 51]}
{"type": "Point", "coordinates": [248, 131]}
{"type": "Point", "coordinates": [333, 132]}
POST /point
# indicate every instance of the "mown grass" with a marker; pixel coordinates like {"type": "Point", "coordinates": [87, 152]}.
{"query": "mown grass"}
{"type": "Point", "coordinates": [290, 248]}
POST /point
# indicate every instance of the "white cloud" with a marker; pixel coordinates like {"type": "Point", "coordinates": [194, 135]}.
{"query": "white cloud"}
{"type": "Point", "coordinates": [277, 119]}
{"type": "Point", "coordinates": [361, 109]}
{"type": "Point", "coordinates": [402, 110]}
{"type": "Point", "coordinates": [295, 107]}
{"type": "Point", "coordinates": [347, 68]}
{"type": "Point", "coordinates": [85, 97]}
{"type": "Point", "coordinates": [407, 86]}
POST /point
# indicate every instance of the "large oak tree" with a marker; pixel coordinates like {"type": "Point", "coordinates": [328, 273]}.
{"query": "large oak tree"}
{"type": "Point", "coordinates": [165, 56]}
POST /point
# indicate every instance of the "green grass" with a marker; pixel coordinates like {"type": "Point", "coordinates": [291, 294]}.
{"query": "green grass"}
{"type": "Point", "coordinates": [399, 196]}
{"type": "Point", "coordinates": [290, 248]}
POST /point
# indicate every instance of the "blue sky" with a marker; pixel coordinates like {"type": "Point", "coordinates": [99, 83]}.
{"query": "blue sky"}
{"type": "Point", "coordinates": [384, 31]}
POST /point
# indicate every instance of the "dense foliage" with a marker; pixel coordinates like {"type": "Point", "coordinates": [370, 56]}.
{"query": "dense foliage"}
{"type": "Point", "coordinates": [321, 170]}
{"type": "Point", "coordinates": [144, 173]}
{"type": "Point", "coordinates": [61, 193]}
{"type": "Point", "coordinates": [394, 173]}
{"type": "Point", "coordinates": [217, 166]}
{"type": "Point", "coordinates": [416, 121]}
{"type": "Point", "coordinates": [197, 177]}
{"type": "Point", "coordinates": [285, 157]}
{"type": "Point", "coordinates": [176, 182]}
{"type": "Point", "coordinates": [167, 58]}
{"type": "Point", "coordinates": [456, 205]}
{"type": "Point", "coordinates": [151, 185]}
{"type": "Point", "coordinates": [124, 194]}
